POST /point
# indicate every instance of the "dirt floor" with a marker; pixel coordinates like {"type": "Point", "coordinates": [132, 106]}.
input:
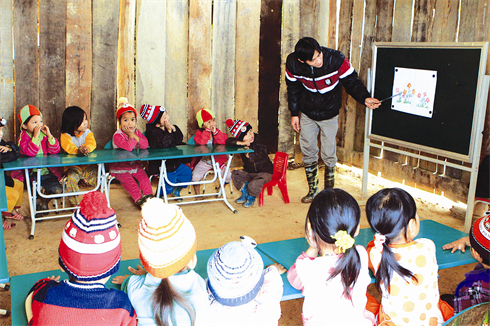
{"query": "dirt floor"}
{"type": "Point", "coordinates": [216, 225]}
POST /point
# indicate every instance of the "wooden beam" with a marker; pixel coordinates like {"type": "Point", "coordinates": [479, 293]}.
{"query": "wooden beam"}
{"type": "Point", "coordinates": [7, 71]}
{"type": "Point", "coordinates": [423, 20]}
{"type": "Point", "coordinates": [223, 59]}
{"type": "Point", "coordinates": [199, 87]}
{"type": "Point", "coordinates": [308, 18]}
{"type": "Point", "coordinates": [52, 26]}
{"type": "Point", "coordinates": [326, 22]}
{"type": "Point", "coordinates": [402, 21]}
{"type": "Point", "coordinates": [445, 21]}
{"type": "Point", "coordinates": [176, 67]}
{"type": "Point", "coordinates": [290, 35]}
{"type": "Point", "coordinates": [26, 54]}
{"type": "Point", "coordinates": [151, 55]}
{"type": "Point", "coordinates": [104, 75]}
{"type": "Point", "coordinates": [247, 61]}
{"type": "Point", "coordinates": [384, 23]}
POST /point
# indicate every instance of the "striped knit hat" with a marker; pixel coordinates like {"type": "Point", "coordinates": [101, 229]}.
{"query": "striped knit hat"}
{"type": "Point", "coordinates": [204, 115]}
{"type": "Point", "coordinates": [166, 238]}
{"type": "Point", "coordinates": [90, 247]}
{"type": "Point", "coordinates": [238, 128]}
{"type": "Point", "coordinates": [151, 113]}
{"type": "Point", "coordinates": [480, 237]}
{"type": "Point", "coordinates": [27, 111]}
{"type": "Point", "coordinates": [124, 106]}
{"type": "Point", "coordinates": [235, 274]}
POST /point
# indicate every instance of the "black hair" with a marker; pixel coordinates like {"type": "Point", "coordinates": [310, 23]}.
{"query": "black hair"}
{"type": "Point", "coordinates": [306, 47]}
{"type": "Point", "coordinates": [26, 121]}
{"type": "Point", "coordinates": [389, 212]}
{"type": "Point", "coordinates": [72, 118]}
{"type": "Point", "coordinates": [163, 304]}
{"type": "Point", "coordinates": [333, 210]}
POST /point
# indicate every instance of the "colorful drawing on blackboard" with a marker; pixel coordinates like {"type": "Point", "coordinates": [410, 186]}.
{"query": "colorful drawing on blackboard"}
{"type": "Point", "coordinates": [418, 89]}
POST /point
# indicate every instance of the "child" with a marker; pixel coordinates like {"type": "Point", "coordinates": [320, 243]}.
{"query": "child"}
{"type": "Point", "coordinates": [36, 138]}
{"type": "Point", "coordinates": [76, 138]}
{"type": "Point", "coordinates": [208, 134]}
{"type": "Point", "coordinates": [475, 288]}
{"type": "Point", "coordinates": [240, 290]}
{"type": "Point", "coordinates": [89, 252]}
{"type": "Point", "coordinates": [333, 273]}
{"type": "Point", "coordinates": [162, 134]}
{"type": "Point", "coordinates": [14, 188]}
{"type": "Point", "coordinates": [257, 167]}
{"type": "Point", "coordinates": [128, 137]}
{"type": "Point", "coordinates": [170, 292]}
{"type": "Point", "coordinates": [405, 269]}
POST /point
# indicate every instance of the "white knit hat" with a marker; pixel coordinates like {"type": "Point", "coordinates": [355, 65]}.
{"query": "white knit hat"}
{"type": "Point", "coordinates": [166, 238]}
{"type": "Point", "coordinates": [235, 274]}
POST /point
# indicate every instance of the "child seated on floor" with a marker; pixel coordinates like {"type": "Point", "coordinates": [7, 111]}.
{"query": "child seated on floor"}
{"type": "Point", "coordinates": [163, 134]}
{"type": "Point", "coordinates": [168, 291]}
{"type": "Point", "coordinates": [36, 138]}
{"type": "Point", "coordinates": [241, 291]}
{"type": "Point", "coordinates": [89, 252]}
{"type": "Point", "coordinates": [76, 138]}
{"type": "Point", "coordinates": [208, 134]}
{"type": "Point", "coordinates": [475, 288]}
{"type": "Point", "coordinates": [14, 189]}
{"type": "Point", "coordinates": [128, 137]}
{"type": "Point", "coordinates": [405, 269]}
{"type": "Point", "coordinates": [257, 166]}
{"type": "Point", "coordinates": [333, 273]}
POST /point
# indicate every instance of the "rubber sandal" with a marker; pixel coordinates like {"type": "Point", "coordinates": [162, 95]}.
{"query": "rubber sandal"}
{"type": "Point", "coordinates": [17, 216]}
{"type": "Point", "coordinates": [7, 225]}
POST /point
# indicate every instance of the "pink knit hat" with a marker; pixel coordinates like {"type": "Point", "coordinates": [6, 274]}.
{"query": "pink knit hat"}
{"type": "Point", "coordinates": [90, 247]}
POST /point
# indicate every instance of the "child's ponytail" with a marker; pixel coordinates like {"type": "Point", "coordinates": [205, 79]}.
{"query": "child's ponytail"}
{"type": "Point", "coordinates": [388, 212]}
{"type": "Point", "coordinates": [334, 216]}
{"type": "Point", "coordinates": [163, 304]}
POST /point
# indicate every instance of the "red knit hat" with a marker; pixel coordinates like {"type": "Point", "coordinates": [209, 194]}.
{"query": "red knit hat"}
{"type": "Point", "coordinates": [203, 115]}
{"type": "Point", "coordinates": [90, 247]}
{"type": "Point", "coordinates": [27, 111]}
{"type": "Point", "coordinates": [151, 113]}
{"type": "Point", "coordinates": [238, 128]}
{"type": "Point", "coordinates": [124, 106]}
{"type": "Point", "coordinates": [480, 237]}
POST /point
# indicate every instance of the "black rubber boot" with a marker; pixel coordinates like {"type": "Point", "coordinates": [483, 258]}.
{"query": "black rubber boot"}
{"type": "Point", "coordinates": [329, 177]}
{"type": "Point", "coordinates": [311, 171]}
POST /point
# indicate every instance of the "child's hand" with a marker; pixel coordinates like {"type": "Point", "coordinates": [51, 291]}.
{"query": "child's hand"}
{"type": "Point", "coordinates": [138, 271]}
{"type": "Point", "coordinates": [46, 130]}
{"type": "Point", "coordinates": [170, 127]}
{"type": "Point", "coordinates": [213, 129]}
{"type": "Point", "coordinates": [83, 150]}
{"type": "Point", "coordinates": [281, 269]}
{"type": "Point", "coordinates": [4, 149]}
{"type": "Point", "coordinates": [119, 279]}
{"type": "Point", "coordinates": [458, 244]}
{"type": "Point", "coordinates": [36, 132]}
{"type": "Point", "coordinates": [54, 278]}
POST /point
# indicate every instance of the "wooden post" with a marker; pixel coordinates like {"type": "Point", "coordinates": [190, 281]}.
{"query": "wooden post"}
{"type": "Point", "coordinates": [7, 71]}
{"type": "Point", "coordinates": [104, 75]}
{"type": "Point", "coordinates": [223, 59]}
{"type": "Point", "coordinates": [308, 18]}
{"type": "Point", "coordinates": [247, 62]}
{"type": "Point", "coordinates": [151, 59]}
{"type": "Point", "coordinates": [52, 25]}
{"type": "Point", "coordinates": [199, 88]}
{"type": "Point", "coordinates": [326, 22]}
{"type": "Point", "coordinates": [445, 21]}
{"type": "Point", "coordinates": [176, 56]}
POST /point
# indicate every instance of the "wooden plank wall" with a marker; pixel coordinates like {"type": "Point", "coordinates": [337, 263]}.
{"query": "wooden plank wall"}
{"type": "Point", "coordinates": [189, 54]}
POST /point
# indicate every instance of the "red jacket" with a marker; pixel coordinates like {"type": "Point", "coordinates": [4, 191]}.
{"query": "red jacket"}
{"type": "Point", "coordinates": [204, 137]}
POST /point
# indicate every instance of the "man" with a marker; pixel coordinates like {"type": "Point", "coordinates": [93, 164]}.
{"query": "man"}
{"type": "Point", "coordinates": [315, 76]}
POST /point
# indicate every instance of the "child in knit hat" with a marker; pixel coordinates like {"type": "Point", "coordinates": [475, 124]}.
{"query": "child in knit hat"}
{"type": "Point", "coordinates": [208, 134]}
{"type": "Point", "coordinates": [89, 252]}
{"type": "Point", "coordinates": [128, 137]}
{"type": "Point", "coordinates": [161, 133]}
{"type": "Point", "coordinates": [36, 138]}
{"type": "Point", "coordinates": [475, 288]}
{"type": "Point", "coordinates": [257, 166]}
{"type": "Point", "coordinates": [241, 292]}
{"type": "Point", "coordinates": [169, 292]}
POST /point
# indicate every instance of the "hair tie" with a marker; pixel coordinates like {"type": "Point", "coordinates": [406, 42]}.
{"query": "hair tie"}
{"type": "Point", "coordinates": [344, 240]}
{"type": "Point", "coordinates": [379, 239]}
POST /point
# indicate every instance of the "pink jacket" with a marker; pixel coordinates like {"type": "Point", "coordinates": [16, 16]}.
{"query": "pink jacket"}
{"type": "Point", "coordinates": [32, 147]}
{"type": "Point", "coordinates": [122, 141]}
{"type": "Point", "coordinates": [203, 137]}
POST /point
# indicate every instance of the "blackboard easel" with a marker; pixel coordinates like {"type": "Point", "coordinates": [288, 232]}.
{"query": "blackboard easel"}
{"type": "Point", "coordinates": [456, 126]}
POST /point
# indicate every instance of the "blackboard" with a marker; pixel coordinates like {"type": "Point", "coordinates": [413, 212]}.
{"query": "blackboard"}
{"type": "Point", "coordinates": [458, 73]}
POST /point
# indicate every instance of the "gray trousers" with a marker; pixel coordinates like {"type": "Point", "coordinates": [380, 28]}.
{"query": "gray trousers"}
{"type": "Point", "coordinates": [255, 181]}
{"type": "Point", "coordinates": [308, 140]}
